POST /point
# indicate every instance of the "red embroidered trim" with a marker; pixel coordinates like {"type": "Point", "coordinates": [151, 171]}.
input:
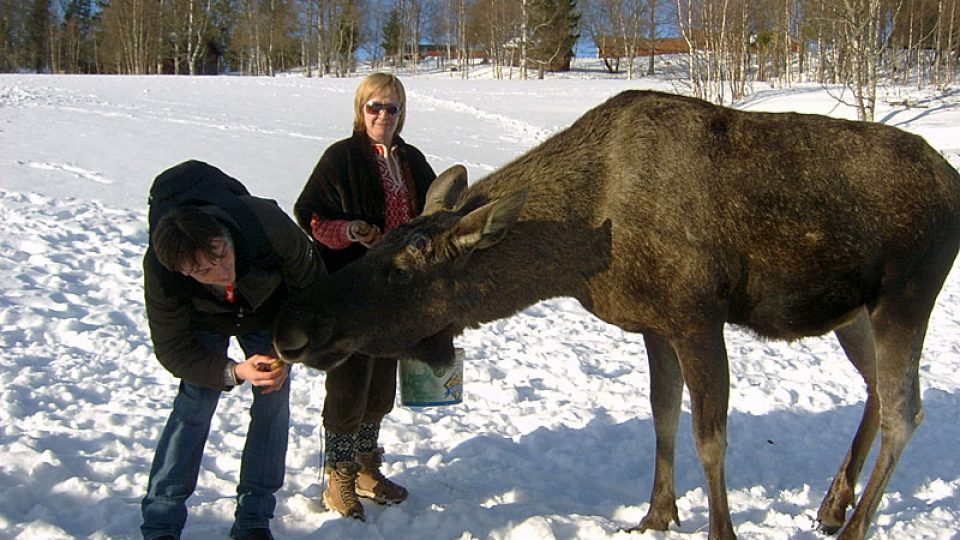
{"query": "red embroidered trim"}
{"type": "Point", "coordinates": [395, 191]}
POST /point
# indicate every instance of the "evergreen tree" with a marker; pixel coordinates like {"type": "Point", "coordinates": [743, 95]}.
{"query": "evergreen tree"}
{"type": "Point", "coordinates": [11, 45]}
{"type": "Point", "coordinates": [78, 36]}
{"type": "Point", "coordinates": [556, 25]}
{"type": "Point", "coordinates": [38, 31]}
{"type": "Point", "coordinates": [392, 33]}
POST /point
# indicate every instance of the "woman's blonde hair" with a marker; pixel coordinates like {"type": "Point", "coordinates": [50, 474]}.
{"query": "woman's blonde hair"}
{"type": "Point", "coordinates": [375, 84]}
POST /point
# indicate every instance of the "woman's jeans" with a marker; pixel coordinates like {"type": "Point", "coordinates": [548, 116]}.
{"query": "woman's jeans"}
{"type": "Point", "coordinates": [176, 464]}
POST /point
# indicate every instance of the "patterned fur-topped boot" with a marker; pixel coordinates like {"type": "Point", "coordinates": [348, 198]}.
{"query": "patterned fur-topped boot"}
{"type": "Point", "coordinates": [341, 492]}
{"type": "Point", "coordinates": [372, 484]}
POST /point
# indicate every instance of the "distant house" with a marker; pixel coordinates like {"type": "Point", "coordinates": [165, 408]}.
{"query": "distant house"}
{"type": "Point", "coordinates": [431, 50]}
{"type": "Point", "coordinates": [611, 47]}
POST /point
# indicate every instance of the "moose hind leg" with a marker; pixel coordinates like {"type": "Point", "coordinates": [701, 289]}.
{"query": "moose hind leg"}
{"type": "Point", "coordinates": [666, 397]}
{"type": "Point", "coordinates": [898, 329]}
{"type": "Point", "coordinates": [856, 338]}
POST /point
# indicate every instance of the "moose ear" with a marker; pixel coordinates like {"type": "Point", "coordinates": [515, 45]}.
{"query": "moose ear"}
{"type": "Point", "coordinates": [488, 224]}
{"type": "Point", "coordinates": [446, 190]}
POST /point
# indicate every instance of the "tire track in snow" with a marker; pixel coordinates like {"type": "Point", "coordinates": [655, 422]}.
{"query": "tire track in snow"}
{"type": "Point", "coordinates": [200, 122]}
{"type": "Point", "coordinates": [78, 172]}
{"type": "Point", "coordinates": [514, 131]}
{"type": "Point", "coordinates": [513, 128]}
{"type": "Point", "coordinates": [76, 102]}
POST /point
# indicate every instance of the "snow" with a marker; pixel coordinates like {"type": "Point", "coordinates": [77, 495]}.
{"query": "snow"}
{"type": "Point", "coordinates": [554, 438]}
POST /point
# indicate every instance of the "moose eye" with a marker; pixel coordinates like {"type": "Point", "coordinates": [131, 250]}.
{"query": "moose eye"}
{"type": "Point", "coordinates": [418, 242]}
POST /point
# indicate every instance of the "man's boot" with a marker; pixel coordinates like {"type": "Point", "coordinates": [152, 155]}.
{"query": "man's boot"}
{"type": "Point", "coordinates": [372, 484]}
{"type": "Point", "coordinates": [341, 492]}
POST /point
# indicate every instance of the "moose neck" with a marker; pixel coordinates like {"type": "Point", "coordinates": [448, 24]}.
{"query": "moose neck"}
{"type": "Point", "coordinates": [543, 256]}
{"type": "Point", "coordinates": [561, 240]}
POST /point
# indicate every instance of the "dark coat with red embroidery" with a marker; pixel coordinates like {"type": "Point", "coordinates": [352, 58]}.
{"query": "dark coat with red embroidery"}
{"type": "Point", "coordinates": [346, 185]}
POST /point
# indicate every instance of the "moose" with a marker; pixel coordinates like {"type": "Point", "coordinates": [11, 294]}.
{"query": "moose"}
{"type": "Point", "coordinates": [671, 217]}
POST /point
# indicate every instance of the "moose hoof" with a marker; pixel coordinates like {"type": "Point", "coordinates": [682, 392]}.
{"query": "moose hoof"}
{"type": "Point", "coordinates": [830, 518]}
{"type": "Point", "coordinates": [656, 521]}
{"type": "Point", "coordinates": [828, 529]}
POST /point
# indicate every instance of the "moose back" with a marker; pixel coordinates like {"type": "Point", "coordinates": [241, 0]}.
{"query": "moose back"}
{"type": "Point", "coordinates": [672, 217]}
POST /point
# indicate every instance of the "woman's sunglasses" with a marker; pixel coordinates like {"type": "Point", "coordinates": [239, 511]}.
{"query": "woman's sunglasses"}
{"type": "Point", "coordinates": [374, 108]}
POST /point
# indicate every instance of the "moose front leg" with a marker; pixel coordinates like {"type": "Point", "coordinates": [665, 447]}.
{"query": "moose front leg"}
{"type": "Point", "coordinates": [703, 359]}
{"type": "Point", "coordinates": [666, 395]}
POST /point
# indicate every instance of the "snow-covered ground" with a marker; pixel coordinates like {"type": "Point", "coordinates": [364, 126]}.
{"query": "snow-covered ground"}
{"type": "Point", "coordinates": [554, 438]}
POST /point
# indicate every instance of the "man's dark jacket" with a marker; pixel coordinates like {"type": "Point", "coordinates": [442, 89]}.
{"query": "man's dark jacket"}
{"type": "Point", "coordinates": [178, 305]}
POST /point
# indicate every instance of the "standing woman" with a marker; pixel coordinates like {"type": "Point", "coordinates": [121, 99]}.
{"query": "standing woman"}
{"type": "Point", "coordinates": [362, 187]}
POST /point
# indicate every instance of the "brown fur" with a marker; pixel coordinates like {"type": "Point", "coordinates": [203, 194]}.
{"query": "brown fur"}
{"type": "Point", "coordinates": [672, 217]}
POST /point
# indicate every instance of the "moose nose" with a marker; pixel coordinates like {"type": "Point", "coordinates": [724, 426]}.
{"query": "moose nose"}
{"type": "Point", "coordinates": [291, 343]}
{"type": "Point", "coordinates": [296, 345]}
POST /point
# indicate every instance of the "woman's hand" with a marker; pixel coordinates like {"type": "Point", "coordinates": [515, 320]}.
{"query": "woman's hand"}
{"type": "Point", "coordinates": [264, 371]}
{"type": "Point", "coordinates": [364, 233]}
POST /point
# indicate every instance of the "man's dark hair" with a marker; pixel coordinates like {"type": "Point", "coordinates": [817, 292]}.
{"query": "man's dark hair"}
{"type": "Point", "coordinates": [184, 238]}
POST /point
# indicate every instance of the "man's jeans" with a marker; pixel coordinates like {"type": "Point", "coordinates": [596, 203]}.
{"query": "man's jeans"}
{"type": "Point", "coordinates": [176, 464]}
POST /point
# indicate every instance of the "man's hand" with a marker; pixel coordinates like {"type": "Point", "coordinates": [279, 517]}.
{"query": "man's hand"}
{"type": "Point", "coordinates": [267, 372]}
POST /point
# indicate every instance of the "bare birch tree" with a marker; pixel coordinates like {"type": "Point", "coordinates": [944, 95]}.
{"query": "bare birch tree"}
{"type": "Point", "coordinates": [865, 24]}
{"type": "Point", "coordinates": [130, 39]}
{"type": "Point", "coordinates": [198, 13]}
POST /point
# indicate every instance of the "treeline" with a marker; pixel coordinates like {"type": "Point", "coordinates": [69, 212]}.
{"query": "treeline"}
{"type": "Point", "coordinates": [263, 37]}
{"type": "Point", "coordinates": [730, 44]}
{"type": "Point", "coordinates": [733, 44]}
